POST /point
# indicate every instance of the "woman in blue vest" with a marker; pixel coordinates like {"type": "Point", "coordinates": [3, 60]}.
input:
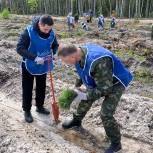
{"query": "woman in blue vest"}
{"type": "Point", "coordinates": [37, 42]}
{"type": "Point", "coordinates": [104, 75]}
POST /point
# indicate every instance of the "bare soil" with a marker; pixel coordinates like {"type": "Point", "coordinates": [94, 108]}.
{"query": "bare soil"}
{"type": "Point", "coordinates": [130, 40]}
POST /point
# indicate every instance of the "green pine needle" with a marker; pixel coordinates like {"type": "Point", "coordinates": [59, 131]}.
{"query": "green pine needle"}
{"type": "Point", "coordinates": [66, 98]}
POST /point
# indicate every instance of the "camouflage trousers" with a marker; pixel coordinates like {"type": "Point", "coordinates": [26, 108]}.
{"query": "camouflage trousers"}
{"type": "Point", "coordinates": [108, 109]}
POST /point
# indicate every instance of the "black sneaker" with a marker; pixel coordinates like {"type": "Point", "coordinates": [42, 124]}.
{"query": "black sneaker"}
{"type": "Point", "coordinates": [114, 147]}
{"type": "Point", "coordinates": [43, 110]}
{"type": "Point", "coordinates": [28, 117]}
{"type": "Point", "coordinates": [71, 123]}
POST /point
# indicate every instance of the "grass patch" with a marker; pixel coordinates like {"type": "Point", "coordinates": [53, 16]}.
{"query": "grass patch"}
{"type": "Point", "coordinates": [70, 72]}
{"type": "Point", "coordinates": [143, 75]}
{"type": "Point", "coordinates": [5, 14]}
{"type": "Point", "coordinates": [123, 54]}
{"type": "Point", "coordinates": [63, 35]}
{"type": "Point", "coordinates": [79, 32]}
{"type": "Point", "coordinates": [66, 98]}
{"type": "Point", "coordinates": [12, 34]}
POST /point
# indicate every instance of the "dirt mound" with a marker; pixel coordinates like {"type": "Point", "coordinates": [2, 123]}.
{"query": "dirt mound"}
{"type": "Point", "coordinates": [134, 114]}
{"type": "Point", "coordinates": [3, 77]}
{"type": "Point", "coordinates": [7, 44]}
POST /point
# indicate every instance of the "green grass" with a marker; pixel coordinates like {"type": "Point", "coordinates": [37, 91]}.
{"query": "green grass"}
{"type": "Point", "coordinates": [130, 54]}
{"type": "Point", "coordinates": [79, 32]}
{"type": "Point", "coordinates": [145, 79]}
{"type": "Point", "coordinates": [63, 35]}
{"type": "Point", "coordinates": [5, 14]}
{"type": "Point", "coordinates": [143, 76]}
{"type": "Point", "coordinates": [66, 98]}
{"type": "Point", "coordinates": [70, 72]}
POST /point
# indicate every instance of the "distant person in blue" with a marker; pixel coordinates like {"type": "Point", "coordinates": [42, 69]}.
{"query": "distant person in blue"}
{"type": "Point", "coordinates": [70, 21]}
{"type": "Point", "coordinates": [113, 22]}
{"type": "Point", "coordinates": [91, 15]}
{"type": "Point", "coordinates": [36, 43]}
{"type": "Point", "coordinates": [101, 21]}
{"type": "Point", "coordinates": [84, 26]}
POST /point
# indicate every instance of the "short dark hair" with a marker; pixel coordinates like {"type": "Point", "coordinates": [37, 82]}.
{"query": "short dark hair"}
{"type": "Point", "coordinates": [67, 50]}
{"type": "Point", "coordinates": [46, 19]}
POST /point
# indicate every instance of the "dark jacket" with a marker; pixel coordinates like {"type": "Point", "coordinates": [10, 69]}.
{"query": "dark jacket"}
{"type": "Point", "coordinates": [24, 41]}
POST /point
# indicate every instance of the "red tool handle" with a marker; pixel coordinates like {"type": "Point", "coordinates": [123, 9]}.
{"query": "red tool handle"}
{"type": "Point", "coordinates": [51, 81]}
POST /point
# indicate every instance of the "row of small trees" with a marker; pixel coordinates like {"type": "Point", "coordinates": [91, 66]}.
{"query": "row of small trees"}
{"type": "Point", "coordinates": [122, 8]}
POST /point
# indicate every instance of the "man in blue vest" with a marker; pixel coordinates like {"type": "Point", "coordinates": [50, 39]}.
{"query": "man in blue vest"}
{"type": "Point", "coordinates": [35, 45]}
{"type": "Point", "coordinates": [104, 75]}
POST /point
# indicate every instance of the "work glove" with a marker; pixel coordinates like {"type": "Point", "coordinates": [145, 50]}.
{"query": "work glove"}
{"type": "Point", "coordinates": [39, 60]}
{"type": "Point", "coordinates": [81, 97]}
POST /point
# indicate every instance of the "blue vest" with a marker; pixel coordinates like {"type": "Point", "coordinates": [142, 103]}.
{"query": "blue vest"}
{"type": "Point", "coordinates": [40, 47]}
{"type": "Point", "coordinates": [69, 20]}
{"type": "Point", "coordinates": [95, 52]}
{"type": "Point", "coordinates": [100, 20]}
